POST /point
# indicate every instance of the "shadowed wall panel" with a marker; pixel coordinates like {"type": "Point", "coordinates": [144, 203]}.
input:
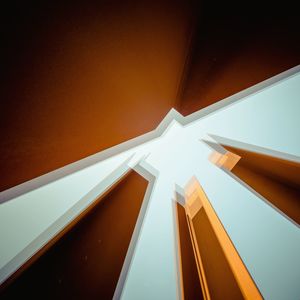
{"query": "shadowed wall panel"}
{"type": "Point", "coordinates": [191, 281]}
{"type": "Point", "coordinates": [276, 179]}
{"type": "Point", "coordinates": [86, 262]}
{"type": "Point", "coordinates": [236, 46]}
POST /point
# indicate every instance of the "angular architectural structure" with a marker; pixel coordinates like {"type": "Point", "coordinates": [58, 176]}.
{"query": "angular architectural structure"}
{"type": "Point", "coordinates": [206, 206]}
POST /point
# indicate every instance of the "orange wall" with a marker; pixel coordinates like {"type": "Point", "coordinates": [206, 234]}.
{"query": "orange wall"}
{"type": "Point", "coordinates": [81, 78]}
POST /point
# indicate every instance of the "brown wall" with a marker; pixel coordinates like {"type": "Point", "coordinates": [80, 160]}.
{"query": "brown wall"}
{"type": "Point", "coordinates": [190, 278]}
{"type": "Point", "coordinates": [78, 78]}
{"type": "Point", "coordinates": [277, 180]}
{"type": "Point", "coordinates": [86, 262]}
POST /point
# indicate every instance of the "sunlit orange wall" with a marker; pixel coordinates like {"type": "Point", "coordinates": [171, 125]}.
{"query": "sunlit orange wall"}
{"type": "Point", "coordinates": [86, 78]}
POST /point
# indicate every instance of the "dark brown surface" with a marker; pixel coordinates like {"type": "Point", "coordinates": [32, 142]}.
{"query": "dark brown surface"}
{"type": "Point", "coordinates": [237, 45]}
{"type": "Point", "coordinates": [220, 279]}
{"type": "Point", "coordinates": [86, 262]}
{"type": "Point", "coordinates": [80, 76]}
{"type": "Point", "coordinates": [277, 180]}
{"type": "Point", "coordinates": [191, 281]}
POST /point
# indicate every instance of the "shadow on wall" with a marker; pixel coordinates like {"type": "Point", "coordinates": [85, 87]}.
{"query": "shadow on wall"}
{"type": "Point", "coordinates": [236, 47]}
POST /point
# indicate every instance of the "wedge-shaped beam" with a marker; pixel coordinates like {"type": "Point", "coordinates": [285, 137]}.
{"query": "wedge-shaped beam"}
{"type": "Point", "coordinates": [89, 257]}
{"type": "Point", "coordinates": [188, 280]}
{"type": "Point", "coordinates": [222, 273]}
{"type": "Point", "coordinates": [274, 176]}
